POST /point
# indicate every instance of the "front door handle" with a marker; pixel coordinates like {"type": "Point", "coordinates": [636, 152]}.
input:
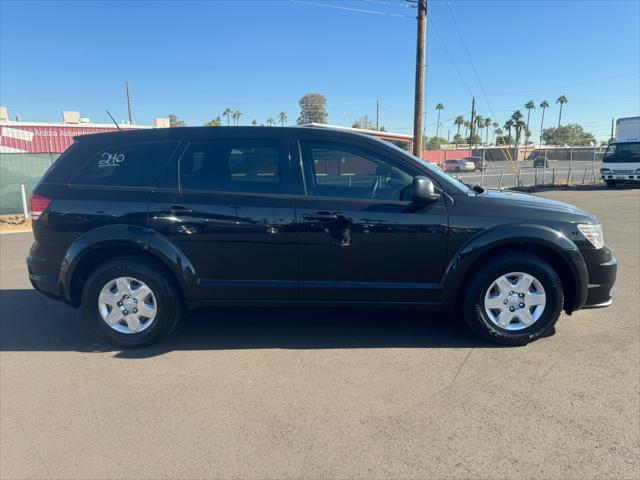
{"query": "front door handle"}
{"type": "Point", "coordinates": [321, 216]}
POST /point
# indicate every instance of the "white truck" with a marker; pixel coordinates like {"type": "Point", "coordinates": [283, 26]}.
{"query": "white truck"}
{"type": "Point", "coordinates": [621, 160]}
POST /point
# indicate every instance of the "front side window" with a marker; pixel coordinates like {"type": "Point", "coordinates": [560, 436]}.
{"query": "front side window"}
{"type": "Point", "coordinates": [250, 166]}
{"type": "Point", "coordinates": [133, 165]}
{"type": "Point", "coordinates": [341, 170]}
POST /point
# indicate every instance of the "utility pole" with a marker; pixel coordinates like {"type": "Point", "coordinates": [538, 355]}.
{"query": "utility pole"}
{"type": "Point", "coordinates": [419, 87]}
{"type": "Point", "coordinates": [126, 85]}
{"type": "Point", "coordinates": [611, 129]}
{"type": "Point", "coordinates": [473, 120]}
{"type": "Point", "coordinates": [377, 115]}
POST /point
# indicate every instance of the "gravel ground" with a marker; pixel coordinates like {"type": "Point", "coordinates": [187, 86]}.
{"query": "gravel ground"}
{"type": "Point", "coordinates": [291, 393]}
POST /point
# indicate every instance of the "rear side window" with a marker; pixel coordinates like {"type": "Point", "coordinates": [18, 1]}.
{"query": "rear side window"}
{"type": "Point", "coordinates": [250, 166]}
{"type": "Point", "coordinates": [132, 165]}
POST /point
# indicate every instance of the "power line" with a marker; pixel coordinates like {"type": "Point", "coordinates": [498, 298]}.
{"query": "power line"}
{"type": "Point", "coordinates": [351, 9]}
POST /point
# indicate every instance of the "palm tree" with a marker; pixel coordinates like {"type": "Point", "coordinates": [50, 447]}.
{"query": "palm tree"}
{"type": "Point", "coordinates": [543, 105]}
{"type": "Point", "coordinates": [227, 113]}
{"type": "Point", "coordinates": [561, 100]}
{"type": "Point", "coordinates": [236, 117]}
{"type": "Point", "coordinates": [508, 125]}
{"type": "Point", "coordinates": [439, 108]}
{"type": "Point", "coordinates": [487, 124]}
{"type": "Point", "coordinates": [458, 122]}
{"type": "Point", "coordinates": [282, 117]}
{"type": "Point", "coordinates": [271, 121]}
{"type": "Point", "coordinates": [467, 125]}
{"type": "Point", "coordinates": [529, 106]}
{"type": "Point", "coordinates": [480, 125]}
{"type": "Point", "coordinates": [518, 124]}
{"type": "Point", "coordinates": [495, 126]}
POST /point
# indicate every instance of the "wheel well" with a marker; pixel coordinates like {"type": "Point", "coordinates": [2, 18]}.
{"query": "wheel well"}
{"type": "Point", "coordinates": [99, 256]}
{"type": "Point", "coordinates": [554, 259]}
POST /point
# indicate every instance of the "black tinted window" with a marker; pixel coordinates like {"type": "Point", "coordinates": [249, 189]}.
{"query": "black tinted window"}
{"type": "Point", "coordinates": [622, 153]}
{"type": "Point", "coordinates": [133, 165]}
{"type": "Point", "coordinates": [232, 166]}
{"type": "Point", "coordinates": [341, 170]}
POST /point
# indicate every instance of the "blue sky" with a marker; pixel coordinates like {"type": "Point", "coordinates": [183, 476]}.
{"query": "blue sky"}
{"type": "Point", "coordinates": [195, 58]}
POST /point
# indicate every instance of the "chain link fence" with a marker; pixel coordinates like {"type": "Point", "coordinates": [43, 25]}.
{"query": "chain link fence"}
{"type": "Point", "coordinates": [20, 169]}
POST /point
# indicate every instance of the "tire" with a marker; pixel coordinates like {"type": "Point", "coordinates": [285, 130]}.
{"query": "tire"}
{"type": "Point", "coordinates": [481, 291]}
{"type": "Point", "coordinates": [163, 301]}
{"type": "Point", "coordinates": [611, 183]}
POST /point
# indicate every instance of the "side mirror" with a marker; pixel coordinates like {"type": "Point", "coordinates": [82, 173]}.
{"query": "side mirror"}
{"type": "Point", "coordinates": [423, 191]}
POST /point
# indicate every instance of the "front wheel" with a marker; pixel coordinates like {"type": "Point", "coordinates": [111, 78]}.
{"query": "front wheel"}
{"type": "Point", "coordinates": [513, 299]}
{"type": "Point", "coordinates": [131, 302]}
{"type": "Point", "coordinates": [611, 183]}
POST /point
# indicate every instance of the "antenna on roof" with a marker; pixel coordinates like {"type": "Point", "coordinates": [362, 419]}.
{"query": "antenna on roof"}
{"type": "Point", "coordinates": [114, 121]}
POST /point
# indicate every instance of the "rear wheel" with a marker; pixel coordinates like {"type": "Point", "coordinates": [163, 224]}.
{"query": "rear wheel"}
{"type": "Point", "coordinates": [611, 183]}
{"type": "Point", "coordinates": [513, 299]}
{"type": "Point", "coordinates": [131, 302]}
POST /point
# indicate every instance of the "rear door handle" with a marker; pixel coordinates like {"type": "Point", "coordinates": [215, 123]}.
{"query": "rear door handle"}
{"type": "Point", "coordinates": [321, 216]}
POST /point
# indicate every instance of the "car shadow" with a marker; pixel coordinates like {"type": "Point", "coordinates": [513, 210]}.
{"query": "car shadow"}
{"type": "Point", "coordinates": [31, 322]}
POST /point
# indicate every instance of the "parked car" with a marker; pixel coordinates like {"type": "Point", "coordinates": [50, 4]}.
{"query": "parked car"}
{"type": "Point", "coordinates": [136, 226]}
{"type": "Point", "coordinates": [541, 162]}
{"type": "Point", "coordinates": [458, 165]}
{"type": "Point", "coordinates": [478, 162]}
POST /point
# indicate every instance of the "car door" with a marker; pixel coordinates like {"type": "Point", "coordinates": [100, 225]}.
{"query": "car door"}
{"type": "Point", "coordinates": [359, 238]}
{"type": "Point", "coordinates": [226, 202]}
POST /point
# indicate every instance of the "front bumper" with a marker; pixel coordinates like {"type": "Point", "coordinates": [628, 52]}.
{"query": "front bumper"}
{"type": "Point", "coordinates": [602, 268]}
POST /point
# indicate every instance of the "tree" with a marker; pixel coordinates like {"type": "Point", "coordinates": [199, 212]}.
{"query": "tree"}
{"type": "Point", "coordinates": [508, 125]}
{"type": "Point", "coordinates": [227, 113]}
{"type": "Point", "coordinates": [487, 124]}
{"type": "Point", "coordinates": [236, 117]}
{"type": "Point", "coordinates": [518, 124]}
{"type": "Point", "coordinates": [313, 108]}
{"type": "Point", "coordinates": [561, 100]}
{"type": "Point", "coordinates": [457, 138]}
{"type": "Point", "coordinates": [364, 123]}
{"type": "Point", "coordinates": [467, 125]}
{"type": "Point", "coordinates": [174, 121]}
{"type": "Point", "coordinates": [496, 126]}
{"type": "Point", "coordinates": [504, 139]}
{"type": "Point", "coordinates": [270, 121]}
{"type": "Point", "coordinates": [439, 108]}
{"type": "Point", "coordinates": [480, 124]}
{"type": "Point", "coordinates": [282, 117]}
{"type": "Point", "coordinates": [473, 140]}
{"type": "Point", "coordinates": [458, 122]}
{"type": "Point", "coordinates": [214, 122]}
{"type": "Point", "coordinates": [543, 105]}
{"type": "Point", "coordinates": [254, 122]}
{"type": "Point", "coordinates": [571, 134]}
{"type": "Point", "coordinates": [529, 106]}
{"type": "Point", "coordinates": [434, 143]}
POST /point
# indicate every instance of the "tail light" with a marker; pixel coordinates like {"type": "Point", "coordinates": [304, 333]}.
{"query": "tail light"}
{"type": "Point", "coordinates": [38, 205]}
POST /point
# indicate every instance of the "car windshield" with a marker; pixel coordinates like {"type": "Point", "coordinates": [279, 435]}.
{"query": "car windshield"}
{"type": "Point", "coordinates": [622, 153]}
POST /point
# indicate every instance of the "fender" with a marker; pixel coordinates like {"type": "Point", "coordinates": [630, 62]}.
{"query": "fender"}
{"type": "Point", "coordinates": [127, 236]}
{"type": "Point", "coordinates": [513, 234]}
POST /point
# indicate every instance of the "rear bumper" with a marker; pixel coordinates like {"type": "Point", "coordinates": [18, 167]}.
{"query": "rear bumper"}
{"type": "Point", "coordinates": [46, 284]}
{"type": "Point", "coordinates": [603, 269]}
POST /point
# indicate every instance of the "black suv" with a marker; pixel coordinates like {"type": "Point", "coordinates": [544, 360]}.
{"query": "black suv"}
{"type": "Point", "coordinates": [135, 226]}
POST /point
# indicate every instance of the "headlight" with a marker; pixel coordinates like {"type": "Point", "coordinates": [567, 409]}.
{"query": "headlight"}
{"type": "Point", "coordinates": [605, 170]}
{"type": "Point", "coordinates": [593, 233]}
{"type": "Point", "coordinates": [637, 172]}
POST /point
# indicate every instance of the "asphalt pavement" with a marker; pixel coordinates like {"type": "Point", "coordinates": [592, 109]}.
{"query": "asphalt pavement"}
{"type": "Point", "coordinates": [324, 393]}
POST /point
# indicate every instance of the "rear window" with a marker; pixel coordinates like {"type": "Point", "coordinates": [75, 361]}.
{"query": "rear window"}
{"type": "Point", "coordinates": [622, 153]}
{"type": "Point", "coordinates": [127, 165]}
